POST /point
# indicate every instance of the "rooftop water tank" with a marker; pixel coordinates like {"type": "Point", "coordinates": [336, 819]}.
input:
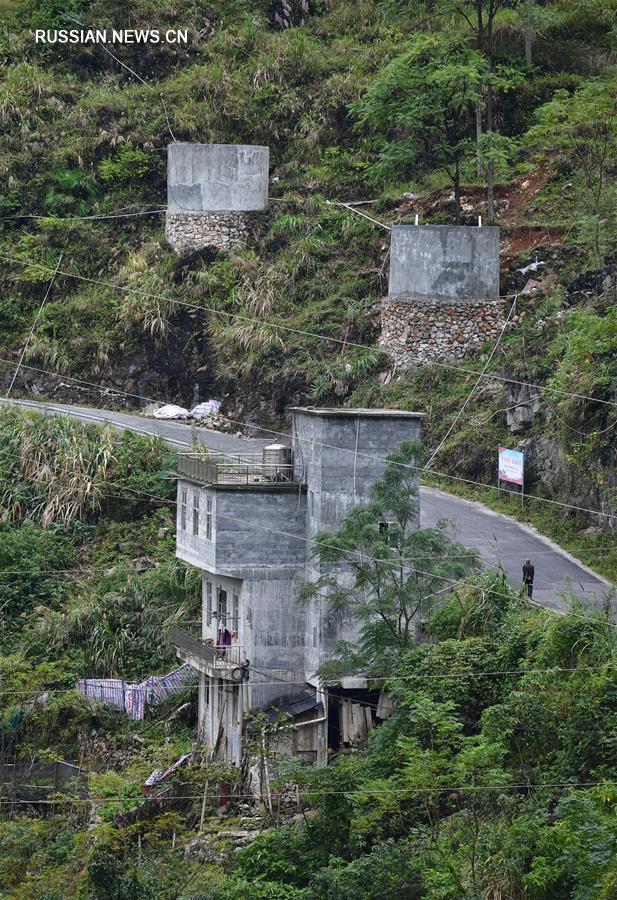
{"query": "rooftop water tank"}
{"type": "Point", "coordinates": [277, 462]}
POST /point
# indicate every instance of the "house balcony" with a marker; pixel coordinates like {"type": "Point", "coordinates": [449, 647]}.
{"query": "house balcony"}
{"type": "Point", "coordinates": [245, 470]}
{"type": "Point", "coordinates": [206, 657]}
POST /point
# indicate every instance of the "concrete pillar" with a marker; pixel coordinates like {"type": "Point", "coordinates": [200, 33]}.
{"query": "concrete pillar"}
{"type": "Point", "coordinates": [443, 294]}
{"type": "Point", "coordinates": [213, 190]}
{"type": "Point", "coordinates": [343, 452]}
{"type": "Point", "coordinates": [202, 710]}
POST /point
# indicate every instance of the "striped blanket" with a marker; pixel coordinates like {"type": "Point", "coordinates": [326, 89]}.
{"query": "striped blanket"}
{"type": "Point", "coordinates": [132, 698]}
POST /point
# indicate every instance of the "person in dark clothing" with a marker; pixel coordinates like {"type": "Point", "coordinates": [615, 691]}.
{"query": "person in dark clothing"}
{"type": "Point", "coordinates": [528, 574]}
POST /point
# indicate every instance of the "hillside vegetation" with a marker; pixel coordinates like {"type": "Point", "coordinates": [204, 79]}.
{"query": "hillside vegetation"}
{"type": "Point", "coordinates": [493, 777]}
{"type": "Point", "coordinates": [415, 107]}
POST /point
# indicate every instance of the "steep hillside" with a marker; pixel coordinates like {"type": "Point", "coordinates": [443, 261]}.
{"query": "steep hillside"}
{"type": "Point", "coordinates": [359, 101]}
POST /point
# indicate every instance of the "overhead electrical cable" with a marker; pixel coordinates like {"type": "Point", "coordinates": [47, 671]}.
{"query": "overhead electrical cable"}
{"type": "Point", "coordinates": [287, 328]}
{"type": "Point", "coordinates": [419, 469]}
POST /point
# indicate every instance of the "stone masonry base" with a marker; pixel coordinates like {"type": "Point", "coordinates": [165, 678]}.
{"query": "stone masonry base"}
{"type": "Point", "coordinates": [414, 332]}
{"type": "Point", "coordinates": [188, 231]}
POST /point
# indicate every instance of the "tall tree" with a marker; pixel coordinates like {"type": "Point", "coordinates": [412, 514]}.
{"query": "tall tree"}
{"type": "Point", "coordinates": [397, 568]}
{"type": "Point", "coordinates": [481, 18]}
{"type": "Point", "coordinates": [422, 106]}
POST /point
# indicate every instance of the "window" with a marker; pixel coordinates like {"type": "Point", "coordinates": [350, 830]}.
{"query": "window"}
{"type": "Point", "coordinates": [222, 608]}
{"type": "Point", "coordinates": [209, 518]}
{"type": "Point", "coordinates": [312, 503]}
{"type": "Point", "coordinates": [208, 603]}
{"type": "Point", "coordinates": [196, 513]}
{"type": "Point", "coordinates": [235, 610]}
{"type": "Point", "coordinates": [183, 505]}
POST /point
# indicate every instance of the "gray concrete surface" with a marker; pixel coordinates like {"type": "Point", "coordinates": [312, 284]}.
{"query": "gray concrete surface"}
{"type": "Point", "coordinates": [503, 541]}
{"type": "Point", "coordinates": [444, 262]}
{"type": "Point", "coordinates": [175, 433]}
{"type": "Point", "coordinates": [499, 539]}
{"type": "Point", "coordinates": [216, 177]}
{"type": "Point", "coordinates": [337, 479]}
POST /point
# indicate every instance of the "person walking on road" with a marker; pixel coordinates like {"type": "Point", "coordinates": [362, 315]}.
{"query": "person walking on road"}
{"type": "Point", "coordinates": [528, 574]}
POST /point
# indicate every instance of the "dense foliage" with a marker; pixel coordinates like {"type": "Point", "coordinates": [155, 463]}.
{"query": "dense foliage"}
{"type": "Point", "coordinates": [390, 103]}
{"type": "Point", "coordinates": [494, 777]}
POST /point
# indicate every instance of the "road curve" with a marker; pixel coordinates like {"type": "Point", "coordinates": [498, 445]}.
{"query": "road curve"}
{"type": "Point", "coordinates": [499, 539]}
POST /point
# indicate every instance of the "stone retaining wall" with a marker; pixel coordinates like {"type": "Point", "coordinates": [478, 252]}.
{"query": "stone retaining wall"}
{"type": "Point", "coordinates": [189, 231]}
{"type": "Point", "coordinates": [414, 332]}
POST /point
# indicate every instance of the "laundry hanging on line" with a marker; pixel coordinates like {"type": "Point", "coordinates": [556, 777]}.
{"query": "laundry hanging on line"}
{"type": "Point", "coordinates": [132, 698]}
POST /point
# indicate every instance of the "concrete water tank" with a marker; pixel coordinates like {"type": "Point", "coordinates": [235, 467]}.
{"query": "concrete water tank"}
{"type": "Point", "coordinates": [443, 298]}
{"type": "Point", "coordinates": [446, 263]}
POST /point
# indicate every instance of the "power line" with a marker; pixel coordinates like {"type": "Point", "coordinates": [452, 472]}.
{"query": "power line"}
{"type": "Point", "coordinates": [126, 565]}
{"type": "Point", "coordinates": [388, 677]}
{"type": "Point", "coordinates": [133, 215]}
{"type": "Point", "coordinates": [36, 318]}
{"type": "Point", "coordinates": [363, 791]}
{"type": "Point", "coordinates": [392, 562]}
{"type": "Point", "coordinates": [363, 556]}
{"type": "Point", "coordinates": [473, 389]}
{"type": "Point", "coordinates": [300, 331]}
{"type": "Point", "coordinates": [138, 77]}
{"type": "Point", "coordinates": [419, 469]}
{"type": "Point", "coordinates": [350, 208]}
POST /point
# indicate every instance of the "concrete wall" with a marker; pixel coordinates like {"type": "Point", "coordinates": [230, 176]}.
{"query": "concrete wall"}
{"type": "Point", "coordinates": [261, 539]}
{"type": "Point", "coordinates": [448, 263]}
{"type": "Point", "coordinates": [195, 549]}
{"type": "Point", "coordinates": [338, 478]}
{"type": "Point", "coordinates": [216, 177]}
{"type": "Point", "coordinates": [258, 527]}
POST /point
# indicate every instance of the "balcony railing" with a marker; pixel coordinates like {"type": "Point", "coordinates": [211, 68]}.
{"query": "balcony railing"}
{"type": "Point", "coordinates": [219, 658]}
{"type": "Point", "coordinates": [246, 469]}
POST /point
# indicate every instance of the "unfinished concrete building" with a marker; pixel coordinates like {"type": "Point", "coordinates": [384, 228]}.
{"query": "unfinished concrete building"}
{"type": "Point", "coordinates": [443, 293]}
{"type": "Point", "coordinates": [213, 191]}
{"type": "Point", "coordinates": [248, 523]}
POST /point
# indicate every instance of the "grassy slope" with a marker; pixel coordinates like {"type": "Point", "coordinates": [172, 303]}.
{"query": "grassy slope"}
{"type": "Point", "coordinates": [84, 136]}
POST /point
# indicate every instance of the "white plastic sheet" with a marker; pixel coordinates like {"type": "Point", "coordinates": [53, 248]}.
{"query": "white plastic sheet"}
{"type": "Point", "coordinates": [207, 409]}
{"type": "Point", "coordinates": [170, 411]}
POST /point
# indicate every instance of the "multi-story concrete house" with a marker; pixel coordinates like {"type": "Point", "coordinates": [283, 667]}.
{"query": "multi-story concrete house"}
{"type": "Point", "coordinates": [248, 523]}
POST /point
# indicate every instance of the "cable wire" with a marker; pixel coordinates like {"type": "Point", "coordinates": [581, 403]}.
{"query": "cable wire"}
{"type": "Point", "coordinates": [419, 469]}
{"type": "Point", "coordinates": [388, 677]}
{"type": "Point", "coordinates": [350, 792]}
{"type": "Point", "coordinates": [299, 331]}
{"type": "Point", "coordinates": [473, 390]}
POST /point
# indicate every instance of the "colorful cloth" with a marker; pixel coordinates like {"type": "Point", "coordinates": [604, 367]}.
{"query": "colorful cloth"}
{"type": "Point", "coordinates": [132, 698]}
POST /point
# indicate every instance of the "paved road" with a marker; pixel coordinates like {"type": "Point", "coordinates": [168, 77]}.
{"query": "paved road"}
{"type": "Point", "coordinates": [178, 434]}
{"type": "Point", "coordinates": [498, 538]}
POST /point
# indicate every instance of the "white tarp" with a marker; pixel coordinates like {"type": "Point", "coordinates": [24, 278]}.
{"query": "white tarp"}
{"type": "Point", "coordinates": [170, 411]}
{"type": "Point", "coordinates": [207, 409]}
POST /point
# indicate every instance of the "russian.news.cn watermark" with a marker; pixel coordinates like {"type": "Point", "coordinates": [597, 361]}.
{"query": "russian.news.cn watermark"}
{"type": "Point", "coordinates": [111, 36]}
